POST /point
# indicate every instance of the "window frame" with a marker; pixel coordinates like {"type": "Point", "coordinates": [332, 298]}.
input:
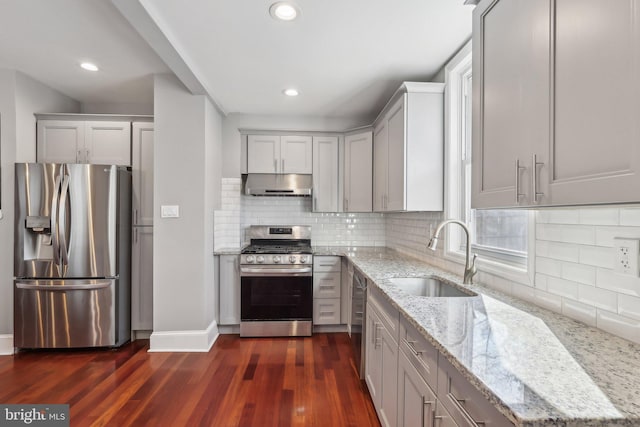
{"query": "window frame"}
{"type": "Point", "coordinates": [456, 71]}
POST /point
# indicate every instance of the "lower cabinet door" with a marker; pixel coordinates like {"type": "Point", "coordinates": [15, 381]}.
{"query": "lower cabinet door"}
{"type": "Point", "coordinates": [142, 279]}
{"type": "Point", "coordinates": [373, 355]}
{"type": "Point", "coordinates": [389, 388]}
{"type": "Point", "coordinates": [416, 400]}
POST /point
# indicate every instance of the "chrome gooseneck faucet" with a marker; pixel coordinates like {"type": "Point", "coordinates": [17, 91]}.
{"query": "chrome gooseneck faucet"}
{"type": "Point", "coordinates": [470, 263]}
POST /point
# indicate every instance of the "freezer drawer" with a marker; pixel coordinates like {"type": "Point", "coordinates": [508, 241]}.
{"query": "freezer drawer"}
{"type": "Point", "coordinates": [68, 314]}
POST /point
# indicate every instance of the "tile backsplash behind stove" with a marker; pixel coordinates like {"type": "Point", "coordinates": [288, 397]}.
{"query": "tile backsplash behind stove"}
{"type": "Point", "coordinates": [328, 229]}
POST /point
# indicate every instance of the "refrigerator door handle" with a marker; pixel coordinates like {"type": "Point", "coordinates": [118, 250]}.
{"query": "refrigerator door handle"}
{"type": "Point", "coordinates": [61, 288]}
{"type": "Point", "coordinates": [54, 221]}
{"type": "Point", "coordinates": [62, 222]}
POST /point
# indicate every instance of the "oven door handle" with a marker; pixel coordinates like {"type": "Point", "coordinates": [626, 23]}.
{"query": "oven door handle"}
{"type": "Point", "coordinates": [258, 272]}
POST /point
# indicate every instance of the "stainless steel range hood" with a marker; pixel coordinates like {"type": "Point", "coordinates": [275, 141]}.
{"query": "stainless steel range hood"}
{"type": "Point", "coordinates": [268, 184]}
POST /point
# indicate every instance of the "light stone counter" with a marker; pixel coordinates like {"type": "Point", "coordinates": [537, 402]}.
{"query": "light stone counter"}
{"type": "Point", "coordinates": [537, 367]}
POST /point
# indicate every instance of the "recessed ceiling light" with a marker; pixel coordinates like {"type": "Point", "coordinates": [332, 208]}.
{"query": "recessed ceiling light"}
{"type": "Point", "coordinates": [290, 92]}
{"type": "Point", "coordinates": [285, 11]}
{"type": "Point", "coordinates": [89, 66]}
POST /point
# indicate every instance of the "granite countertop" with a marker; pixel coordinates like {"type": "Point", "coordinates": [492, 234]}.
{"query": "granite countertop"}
{"type": "Point", "coordinates": [537, 367]}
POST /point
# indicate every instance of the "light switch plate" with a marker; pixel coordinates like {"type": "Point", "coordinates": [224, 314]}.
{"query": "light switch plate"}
{"type": "Point", "coordinates": [627, 254]}
{"type": "Point", "coordinates": [169, 211]}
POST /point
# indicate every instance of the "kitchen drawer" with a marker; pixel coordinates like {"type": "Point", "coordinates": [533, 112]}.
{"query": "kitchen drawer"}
{"type": "Point", "coordinates": [467, 406]}
{"type": "Point", "coordinates": [422, 354]}
{"type": "Point", "coordinates": [326, 263]}
{"type": "Point", "coordinates": [326, 285]}
{"type": "Point", "coordinates": [326, 311]}
{"type": "Point", "coordinates": [389, 315]}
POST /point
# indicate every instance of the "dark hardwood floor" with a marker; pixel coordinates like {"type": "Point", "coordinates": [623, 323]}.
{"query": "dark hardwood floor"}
{"type": "Point", "coordinates": [240, 382]}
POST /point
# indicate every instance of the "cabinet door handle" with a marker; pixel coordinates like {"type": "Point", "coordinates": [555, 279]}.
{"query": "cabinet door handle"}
{"type": "Point", "coordinates": [346, 205]}
{"type": "Point", "coordinates": [315, 203]}
{"type": "Point", "coordinates": [534, 166]}
{"type": "Point", "coordinates": [282, 166]}
{"type": "Point", "coordinates": [426, 402]}
{"type": "Point", "coordinates": [87, 159]}
{"type": "Point", "coordinates": [135, 233]}
{"type": "Point", "coordinates": [275, 165]}
{"type": "Point", "coordinates": [518, 193]}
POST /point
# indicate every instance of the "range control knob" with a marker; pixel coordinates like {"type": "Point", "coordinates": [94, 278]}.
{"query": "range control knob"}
{"type": "Point", "coordinates": [276, 259]}
{"type": "Point", "coordinates": [292, 259]}
{"type": "Point", "coordinates": [250, 258]}
{"type": "Point", "coordinates": [260, 259]}
{"type": "Point", "coordinates": [303, 259]}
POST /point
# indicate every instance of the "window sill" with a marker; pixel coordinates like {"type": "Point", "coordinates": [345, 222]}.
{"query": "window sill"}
{"type": "Point", "coordinates": [524, 276]}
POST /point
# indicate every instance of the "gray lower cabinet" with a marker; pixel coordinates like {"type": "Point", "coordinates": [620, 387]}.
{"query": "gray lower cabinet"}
{"type": "Point", "coordinates": [410, 382]}
{"type": "Point", "coordinates": [381, 356]}
{"type": "Point", "coordinates": [142, 279]}
{"type": "Point", "coordinates": [327, 290]}
{"type": "Point", "coordinates": [229, 282]}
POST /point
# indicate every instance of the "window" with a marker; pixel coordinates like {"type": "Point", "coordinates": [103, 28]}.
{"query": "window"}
{"type": "Point", "coordinates": [500, 237]}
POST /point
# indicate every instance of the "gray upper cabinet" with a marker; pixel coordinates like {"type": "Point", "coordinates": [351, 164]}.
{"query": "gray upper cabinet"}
{"type": "Point", "coordinates": [84, 141]}
{"type": "Point", "coordinates": [325, 174]}
{"type": "Point", "coordinates": [358, 172]}
{"type": "Point", "coordinates": [510, 97]}
{"type": "Point", "coordinates": [596, 142]}
{"type": "Point", "coordinates": [546, 131]}
{"type": "Point", "coordinates": [408, 150]}
{"type": "Point", "coordinates": [279, 154]}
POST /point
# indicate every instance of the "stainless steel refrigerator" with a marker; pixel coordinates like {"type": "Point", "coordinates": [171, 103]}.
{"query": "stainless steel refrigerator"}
{"type": "Point", "coordinates": [72, 255]}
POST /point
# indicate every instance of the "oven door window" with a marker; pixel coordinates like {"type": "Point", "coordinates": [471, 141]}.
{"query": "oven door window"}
{"type": "Point", "coordinates": [276, 298]}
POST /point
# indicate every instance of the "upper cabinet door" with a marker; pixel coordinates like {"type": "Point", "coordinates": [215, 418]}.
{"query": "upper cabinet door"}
{"type": "Point", "coordinates": [142, 165]}
{"type": "Point", "coordinates": [296, 154]}
{"type": "Point", "coordinates": [596, 139]}
{"type": "Point", "coordinates": [325, 174]}
{"type": "Point", "coordinates": [108, 143]}
{"type": "Point", "coordinates": [396, 188]}
{"type": "Point", "coordinates": [60, 141]}
{"type": "Point", "coordinates": [380, 165]}
{"type": "Point", "coordinates": [263, 154]}
{"type": "Point", "coordinates": [358, 172]}
{"type": "Point", "coordinates": [511, 99]}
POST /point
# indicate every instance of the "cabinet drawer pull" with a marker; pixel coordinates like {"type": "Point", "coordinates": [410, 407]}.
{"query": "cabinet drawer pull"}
{"type": "Point", "coordinates": [431, 404]}
{"type": "Point", "coordinates": [518, 193]}
{"type": "Point", "coordinates": [459, 404]}
{"type": "Point", "coordinates": [411, 345]}
{"type": "Point", "coordinates": [534, 166]}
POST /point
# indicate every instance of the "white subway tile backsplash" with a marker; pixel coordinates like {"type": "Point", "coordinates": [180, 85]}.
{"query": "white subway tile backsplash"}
{"type": "Point", "coordinates": [563, 288]}
{"type": "Point", "coordinates": [596, 256]}
{"type": "Point", "coordinates": [549, 266]}
{"type": "Point", "coordinates": [629, 306]}
{"type": "Point", "coordinates": [582, 312]}
{"type": "Point", "coordinates": [579, 273]}
{"type": "Point", "coordinates": [596, 297]}
{"type": "Point", "coordinates": [599, 216]}
{"type": "Point", "coordinates": [630, 216]}
{"type": "Point", "coordinates": [605, 235]}
{"type": "Point", "coordinates": [619, 325]}
{"type": "Point", "coordinates": [548, 301]}
{"type": "Point", "coordinates": [566, 233]}
{"type": "Point", "coordinates": [608, 279]}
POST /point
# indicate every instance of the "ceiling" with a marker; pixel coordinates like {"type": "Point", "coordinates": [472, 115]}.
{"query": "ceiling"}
{"type": "Point", "coordinates": [346, 57]}
{"type": "Point", "coordinates": [48, 40]}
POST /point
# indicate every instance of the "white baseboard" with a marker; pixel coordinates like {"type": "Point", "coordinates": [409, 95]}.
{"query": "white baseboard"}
{"type": "Point", "coordinates": [184, 341]}
{"type": "Point", "coordinates": [6, 344]}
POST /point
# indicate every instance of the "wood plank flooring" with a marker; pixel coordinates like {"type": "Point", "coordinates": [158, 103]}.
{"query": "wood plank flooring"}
{"type": "Point", "coordinates": [240, 382]}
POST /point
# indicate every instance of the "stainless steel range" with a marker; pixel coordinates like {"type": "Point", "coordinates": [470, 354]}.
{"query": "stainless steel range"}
{"type": "Point", "coordinates": [276, 280]}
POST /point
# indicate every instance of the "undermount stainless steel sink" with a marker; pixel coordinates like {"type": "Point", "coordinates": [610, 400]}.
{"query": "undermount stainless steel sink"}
{"type": "Point", "coordinates": [429, 286]}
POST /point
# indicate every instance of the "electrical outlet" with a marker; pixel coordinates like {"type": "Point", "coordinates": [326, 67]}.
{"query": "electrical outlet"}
{"type": "Point", "coordinates": [627, 252]}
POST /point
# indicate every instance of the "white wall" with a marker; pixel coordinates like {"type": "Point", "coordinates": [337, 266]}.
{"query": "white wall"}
{"type": "Point", "coordinates": [233, 122]}
{"type": "Point", "coordinates": [20, 98]}
{"type": "Point", "coordinates": [186, 127]}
